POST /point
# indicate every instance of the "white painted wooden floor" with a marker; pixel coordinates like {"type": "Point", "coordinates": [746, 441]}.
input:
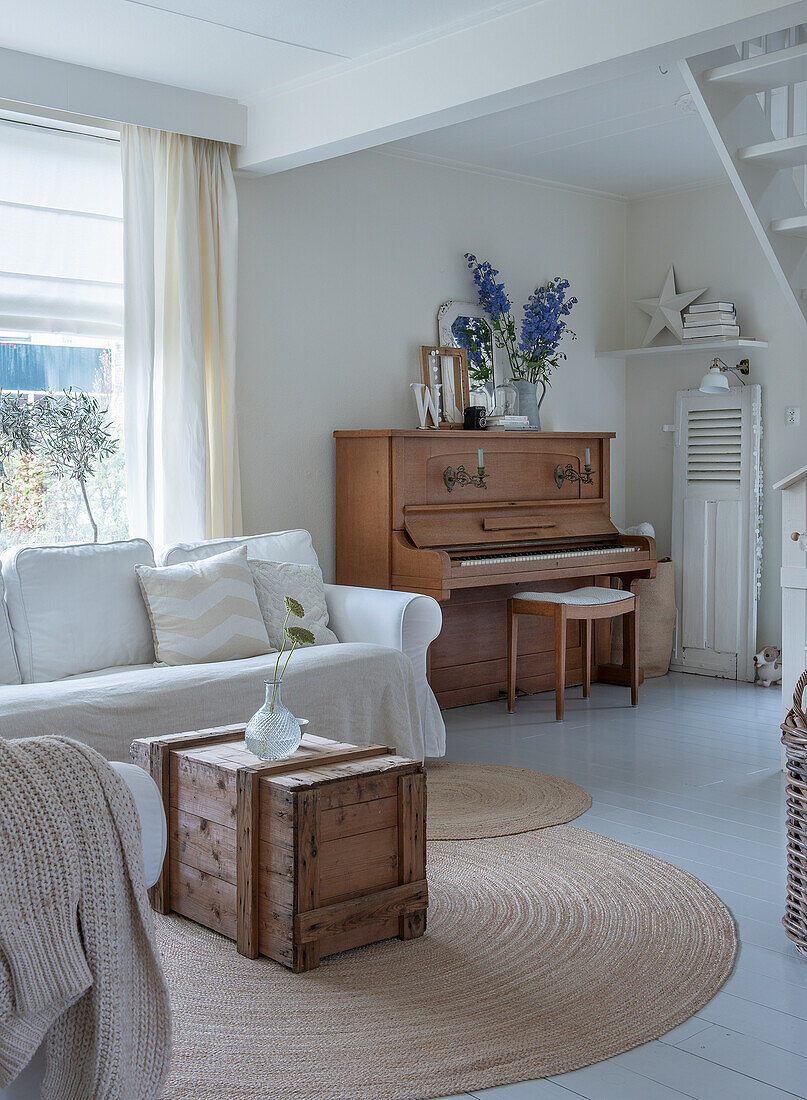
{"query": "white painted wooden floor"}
{"type": "Point", "coordinates": [691, 775]}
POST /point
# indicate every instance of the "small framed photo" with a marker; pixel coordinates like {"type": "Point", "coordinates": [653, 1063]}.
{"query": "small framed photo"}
{"type": "Point", "coordinates": [447, 368]}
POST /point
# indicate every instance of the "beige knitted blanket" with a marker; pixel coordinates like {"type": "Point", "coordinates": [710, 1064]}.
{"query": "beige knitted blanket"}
{"type": "Point", "coordinates": [78, 961]}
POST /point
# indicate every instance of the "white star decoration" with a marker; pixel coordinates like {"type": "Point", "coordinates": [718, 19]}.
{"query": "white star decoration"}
{"type": "Point", "coordinates": [665, 311]}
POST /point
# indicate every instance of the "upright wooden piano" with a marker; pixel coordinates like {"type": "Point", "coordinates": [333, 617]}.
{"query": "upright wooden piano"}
{"type": "Point", "coordinates": [417, 512]}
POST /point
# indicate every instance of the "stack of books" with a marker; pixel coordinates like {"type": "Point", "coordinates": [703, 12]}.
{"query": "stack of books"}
{"type": "Point", "coordinates": [508, 424]}
{"type": "Point", "coordinates": [710, 321]}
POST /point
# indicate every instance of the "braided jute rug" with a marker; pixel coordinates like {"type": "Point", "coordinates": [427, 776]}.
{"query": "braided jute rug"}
{"type": "Point", "coordinates": [544, 952]}
{"type": "Point", "coordinates": [468, 801]}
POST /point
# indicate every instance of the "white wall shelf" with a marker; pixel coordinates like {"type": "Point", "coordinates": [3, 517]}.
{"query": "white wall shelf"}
{"type": "Point", "coordinates": [682, 349]}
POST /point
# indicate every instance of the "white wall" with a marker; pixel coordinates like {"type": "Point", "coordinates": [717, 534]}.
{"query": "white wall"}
{"type": "Point", "coordinates": [343, 265]}
{"type": "Point", "coordinates": [342, 268]}
{"type": "Point", "coordinates": [706, 236]}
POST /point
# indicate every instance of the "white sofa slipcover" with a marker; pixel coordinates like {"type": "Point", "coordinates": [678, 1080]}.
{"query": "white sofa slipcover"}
{"type": "Point", "coordinates": [358, 693]}
{"type": "Point", "coordinates": [400, 620]}
{"type": "Point", "coordinates": [108, 707]}
{"type": "Point", "coordinates": [154, 835]}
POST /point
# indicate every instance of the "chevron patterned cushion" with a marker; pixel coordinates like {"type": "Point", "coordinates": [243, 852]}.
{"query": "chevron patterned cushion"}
{"type": "Point", "coordinates": [205, 610]}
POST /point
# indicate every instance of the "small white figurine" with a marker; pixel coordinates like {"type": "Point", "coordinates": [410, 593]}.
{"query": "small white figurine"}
{"type": "Point", "coordinates": [768, 665]}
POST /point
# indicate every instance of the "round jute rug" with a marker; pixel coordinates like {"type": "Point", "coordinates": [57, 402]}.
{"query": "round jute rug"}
{"type": "Point", "coordinates": [543, 953]}
{"type": "Point", "coordinates": [468, 801]}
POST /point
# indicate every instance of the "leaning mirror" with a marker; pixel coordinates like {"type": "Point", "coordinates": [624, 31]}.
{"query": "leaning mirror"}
{"type": "Point", "coordinates": [464, 325]}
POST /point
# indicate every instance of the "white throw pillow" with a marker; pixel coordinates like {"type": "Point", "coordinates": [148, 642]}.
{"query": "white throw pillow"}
{"type": "Point", "coordinates": [275, 580]}
{"type": "Point", "coordinates": [204, 611]}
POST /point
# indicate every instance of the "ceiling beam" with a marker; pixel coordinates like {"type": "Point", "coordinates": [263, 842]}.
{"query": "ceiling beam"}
{"type": "Point", "coordinates": [518, 57]}
{"type": "Point", "coordinates": [97, 96]}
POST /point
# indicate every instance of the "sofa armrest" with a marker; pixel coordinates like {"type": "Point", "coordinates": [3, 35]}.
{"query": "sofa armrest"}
{"type": "Point", "coordinates": [399, 620]}
{"type": "Point", "coordinates": [406, 621]}
{"type": "Point", "coordinates": [153, 826]}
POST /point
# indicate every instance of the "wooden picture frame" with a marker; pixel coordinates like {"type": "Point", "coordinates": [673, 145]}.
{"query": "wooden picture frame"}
{"type": "Point", "coordinates": [455, 388]}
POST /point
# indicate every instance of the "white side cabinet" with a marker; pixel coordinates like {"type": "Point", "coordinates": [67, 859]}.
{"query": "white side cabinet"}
{"type": "Point", "coordinates": [794, 581]}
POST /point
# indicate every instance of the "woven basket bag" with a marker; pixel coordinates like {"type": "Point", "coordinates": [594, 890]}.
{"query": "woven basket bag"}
{"type": "Point", "coordinates": [794, 738]}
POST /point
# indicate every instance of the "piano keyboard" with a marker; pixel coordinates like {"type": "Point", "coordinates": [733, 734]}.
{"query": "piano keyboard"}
{"type": "Point", "coordinates": [551, 555]}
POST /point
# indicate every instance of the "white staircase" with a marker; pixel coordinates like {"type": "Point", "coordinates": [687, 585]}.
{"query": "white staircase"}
{"type": "Point", "coordinates": [753, 101]}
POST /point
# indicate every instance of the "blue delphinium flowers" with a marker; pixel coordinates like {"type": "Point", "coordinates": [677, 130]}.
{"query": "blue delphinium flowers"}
{"type": "Point", "coordinates": [492, 295]}
{"type": "Point", "coordinates": [534, 353]}
{"type": "Point", "coordinates": [543, 326]}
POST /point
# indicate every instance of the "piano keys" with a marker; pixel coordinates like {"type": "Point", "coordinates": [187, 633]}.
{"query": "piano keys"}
{"type": "Point", "coordinates": [547, 555]}
{"type": "Point", "coordinates": [533, 514]}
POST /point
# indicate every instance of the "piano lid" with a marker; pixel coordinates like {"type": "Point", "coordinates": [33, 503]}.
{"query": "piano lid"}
{"type": "Point", "coordinates": [439, 528]}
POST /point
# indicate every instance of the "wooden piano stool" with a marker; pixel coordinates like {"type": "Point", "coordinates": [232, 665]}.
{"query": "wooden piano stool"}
{"type": "Point", "coordinates": [584, 605]}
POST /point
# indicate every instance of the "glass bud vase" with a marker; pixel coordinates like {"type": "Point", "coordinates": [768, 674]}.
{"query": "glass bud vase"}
{"type": "Point", "coordinates": [273, 733]}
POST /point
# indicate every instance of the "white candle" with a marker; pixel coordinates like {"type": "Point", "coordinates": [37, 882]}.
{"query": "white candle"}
{"type": "Point", "coordinates": [480, 458]}
{"type": "Point", "coordinates": [588, 457]}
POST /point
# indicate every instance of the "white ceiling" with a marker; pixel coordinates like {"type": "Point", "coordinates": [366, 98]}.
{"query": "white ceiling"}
{"type": "Point", "coordinates": [235, 48]}
{"type": "Point", "coordinates": [625, 137]}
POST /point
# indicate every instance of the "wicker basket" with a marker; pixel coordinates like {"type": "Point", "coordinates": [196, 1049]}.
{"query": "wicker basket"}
{"type": "Point", "coordinates": [656, 622]}
{"type": "Point", "coordinates": [794, 738]}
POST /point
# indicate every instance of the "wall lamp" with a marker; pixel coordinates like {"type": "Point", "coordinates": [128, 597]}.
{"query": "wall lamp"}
{"type": "Point", "coordinates": [715, 380]}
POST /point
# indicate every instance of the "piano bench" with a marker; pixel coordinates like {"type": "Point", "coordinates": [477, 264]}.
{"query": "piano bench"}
{"type": "Point", "coordinates": [584, 605]}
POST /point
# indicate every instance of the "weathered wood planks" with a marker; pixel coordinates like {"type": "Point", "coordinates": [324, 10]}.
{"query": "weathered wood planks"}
{"type": "Point", "coordinates": [293, 859]}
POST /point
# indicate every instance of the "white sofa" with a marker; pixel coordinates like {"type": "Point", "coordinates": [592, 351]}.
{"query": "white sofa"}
{"type": "Point", "coordinates": [77, 657]}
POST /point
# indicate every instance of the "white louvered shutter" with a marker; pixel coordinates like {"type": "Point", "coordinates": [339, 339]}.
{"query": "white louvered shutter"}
{"type": "Point", "coordinates": [716, 494]}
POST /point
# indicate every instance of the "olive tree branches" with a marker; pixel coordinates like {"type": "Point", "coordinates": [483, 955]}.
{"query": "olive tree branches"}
{"type": "Point", "coordinates": [70, 431]}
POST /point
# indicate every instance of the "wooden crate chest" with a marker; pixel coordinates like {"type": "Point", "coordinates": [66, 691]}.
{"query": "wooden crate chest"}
{"type": "Point", "coordinates": [294, 859]}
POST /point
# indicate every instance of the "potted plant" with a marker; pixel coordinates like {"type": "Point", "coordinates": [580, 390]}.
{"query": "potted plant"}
{"type": "Point", "coordinates": [534, 352]}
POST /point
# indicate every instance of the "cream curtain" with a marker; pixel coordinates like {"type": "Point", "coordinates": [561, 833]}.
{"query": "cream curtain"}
{"type": "Point", "coordinates": [180, 224]}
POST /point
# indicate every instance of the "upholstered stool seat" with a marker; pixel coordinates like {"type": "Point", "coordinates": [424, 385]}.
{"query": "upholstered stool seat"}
{"type": "Point", "coordinates": [583, 605]}
{"type": "Point", "coordinates": [579, 597]}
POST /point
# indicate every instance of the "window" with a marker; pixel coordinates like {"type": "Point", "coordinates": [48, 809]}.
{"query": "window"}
{"type": "Point", "coordinates": [61, 318]}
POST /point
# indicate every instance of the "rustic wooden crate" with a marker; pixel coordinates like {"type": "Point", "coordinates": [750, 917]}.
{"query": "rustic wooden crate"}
{"type": "Point", "coordinates": [294, 859]}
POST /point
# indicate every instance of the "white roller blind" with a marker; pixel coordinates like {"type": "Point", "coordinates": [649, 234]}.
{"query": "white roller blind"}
{"type": "Point", "coordinates": [61, 232]}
